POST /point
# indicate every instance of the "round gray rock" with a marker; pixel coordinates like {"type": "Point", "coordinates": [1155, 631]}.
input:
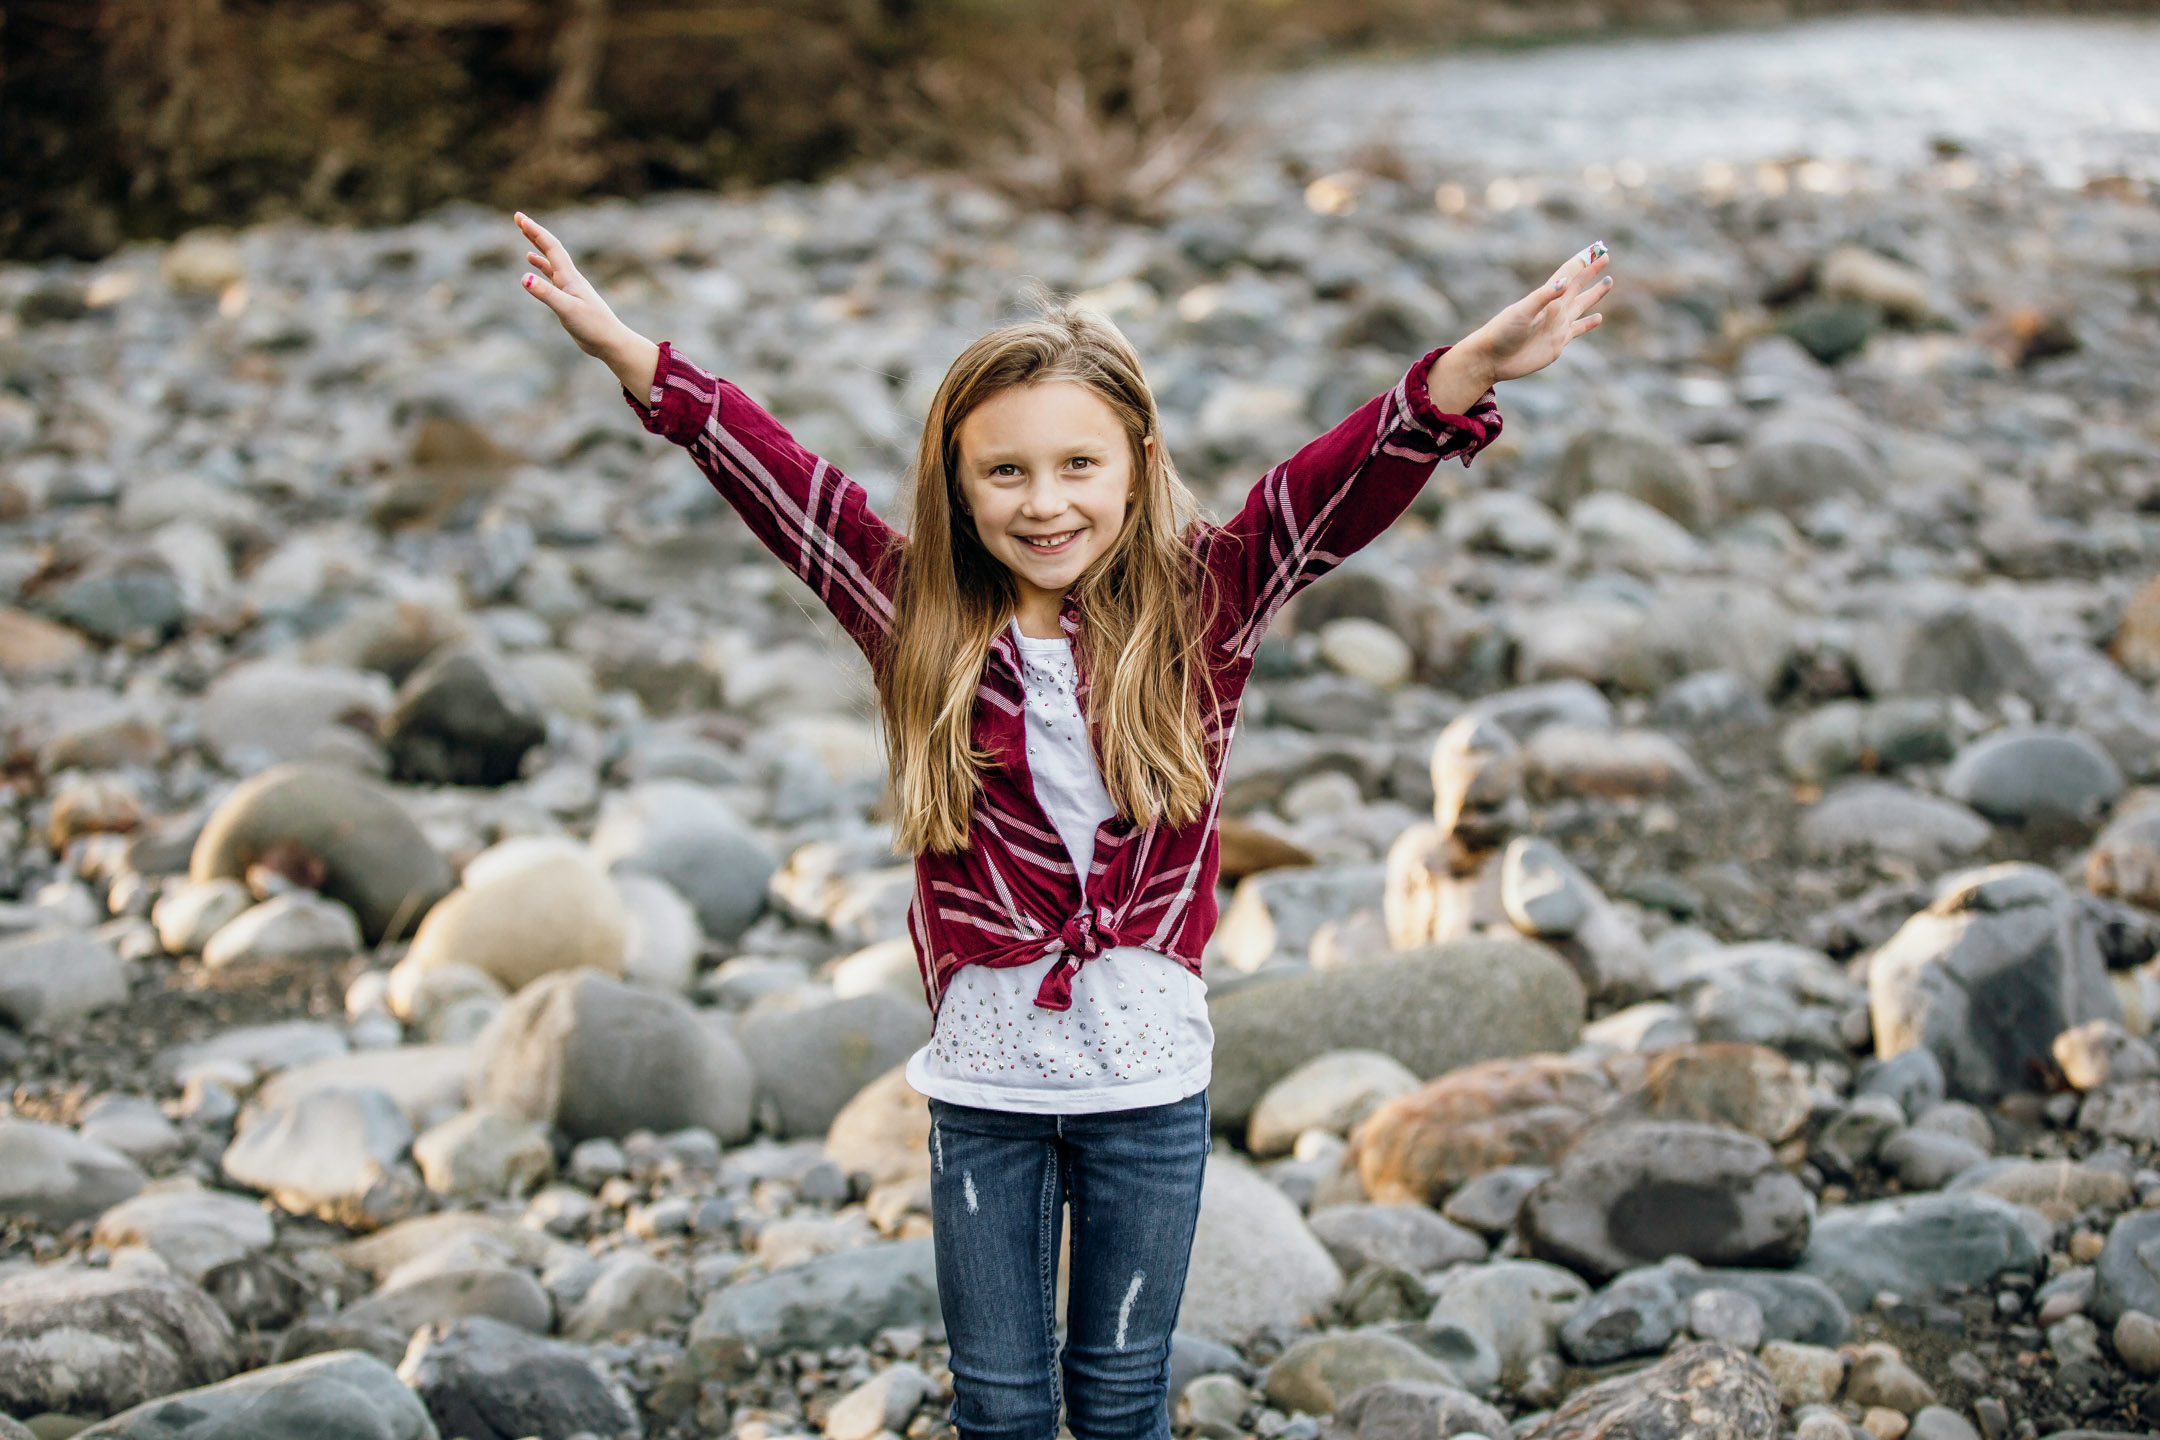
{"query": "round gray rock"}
{"type": "Point", "coordinates": [1914, 1246]}
{"type": "Point", "coordinates": [326, 823]}
{"type": "Point", "coordinates": [811, 1062]}
{"type": "Point", "coordinates": [1632, 1194]}
{"type": "Point", "coordinates": [583, 1051]}
{"type": "Point", "coordinates": [343, 1395]}
{"type": "Point", "coordinates": [686, 835]}
{"type": "Point", "coordinates": [2035, 773]}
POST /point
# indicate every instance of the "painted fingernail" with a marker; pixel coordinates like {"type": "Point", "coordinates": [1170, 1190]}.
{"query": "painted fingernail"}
{"type": "Point", "coordinates": [528, 282]}
{"type": "Point", "coordinates": [1597, 248]}
{"type": "Point", "coordinates": [1560, 283]}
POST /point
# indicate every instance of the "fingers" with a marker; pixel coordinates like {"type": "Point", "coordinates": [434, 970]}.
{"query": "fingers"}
{"type": "Point", "coordinates": [1591, 294]}
{"type": "Point", "coordinates": [1578, 263]}
{"type": "Point", "coordinates": [545, 291]}
{"type": "Point", "coordinates": [551, 248]}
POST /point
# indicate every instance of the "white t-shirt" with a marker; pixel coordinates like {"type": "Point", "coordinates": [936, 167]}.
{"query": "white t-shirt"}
{"type": "Point", "coordinates": [1137, 1032]}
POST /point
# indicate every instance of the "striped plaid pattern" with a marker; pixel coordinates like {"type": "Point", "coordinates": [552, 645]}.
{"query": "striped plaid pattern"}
{"type": "Point", "coordinates": [1013, 897]}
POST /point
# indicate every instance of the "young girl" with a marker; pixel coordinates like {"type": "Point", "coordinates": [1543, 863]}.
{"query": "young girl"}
{"type": "Point", "coordinates": [1059, 648]}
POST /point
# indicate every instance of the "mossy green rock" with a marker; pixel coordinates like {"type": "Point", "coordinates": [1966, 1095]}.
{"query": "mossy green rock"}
{"type": "Point", "coordinates": [346, 837]}
{"type": "Point", "coordinates": [1433, 1008]}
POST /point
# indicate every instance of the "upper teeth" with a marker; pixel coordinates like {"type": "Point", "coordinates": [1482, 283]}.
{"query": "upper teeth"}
{"type": "Point", "coordinates": [1047, 539]}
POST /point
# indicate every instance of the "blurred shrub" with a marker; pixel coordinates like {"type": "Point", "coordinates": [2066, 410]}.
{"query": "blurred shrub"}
{"type": "Point", "coordinates": [132, 118]}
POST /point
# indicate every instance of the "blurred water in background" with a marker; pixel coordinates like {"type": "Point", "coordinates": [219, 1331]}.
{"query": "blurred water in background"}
{"type": "Point", "coordinates": [2073, 98]}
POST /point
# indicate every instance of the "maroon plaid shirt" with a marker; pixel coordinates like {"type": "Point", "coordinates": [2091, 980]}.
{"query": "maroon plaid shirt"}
{"type": "Point", "coordinates": [1012, 896]}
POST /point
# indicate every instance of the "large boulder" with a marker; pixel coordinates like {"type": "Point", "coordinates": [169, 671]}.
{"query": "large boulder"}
{"type": "Point", "coordinates": [1433, 1009]}
{"type": "Point", "coordinates": [810, 1062]}
{"type": "Point", "coordinates": [343, 1395]}
{"type": "Point", "coordinates": [484, 1380]}
{"type": "Point", "coordinates": [96, 1341]}
{"type": "Point", "coordinates": [349, 838]}
{"type": "Point", "coordinates": [1987, 976]}
{"type": "Point", "coordinates": [583, 1051]}
{"type": "Point", "coordinates": [1254, 1262]}
{"type": "Point", "coordinates": [527, 908]}
{"type": "Point", "coordinates": [686, 835]}
{"type": "Point", "coordinates": [1631, 1194]}
{"type": "Point", "coordinates": [50, 977]}
{"type": "Point", "coordinates": [56, 1177]}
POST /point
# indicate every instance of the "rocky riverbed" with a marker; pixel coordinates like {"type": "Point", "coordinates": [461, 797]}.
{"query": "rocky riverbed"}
{"type": "Point", "coordinates": [1691, 891]}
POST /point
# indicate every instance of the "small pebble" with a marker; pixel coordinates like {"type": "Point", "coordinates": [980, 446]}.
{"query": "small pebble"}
{"type": "Point", "coordinates": [2137, 1341]}
{"type": "Point", "coordinates": [1732, 1316]}
{"type": "Point", "coordinates": [1884, 1423]}
{"type": "Point", "coordinates": [2076, 1338]}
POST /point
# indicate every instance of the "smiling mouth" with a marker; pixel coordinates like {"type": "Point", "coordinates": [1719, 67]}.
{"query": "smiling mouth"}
{"type": "Point", "coordinates": [1049, 543]}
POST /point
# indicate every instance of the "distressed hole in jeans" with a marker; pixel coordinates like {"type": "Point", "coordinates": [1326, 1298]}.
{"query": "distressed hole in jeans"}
{"type": "Point", "coordinates": [937, 1146]}
{"type": "Point", "coordinates": [967, 1180]}
{"type": "Point", "coordinates": [1124, 1309]}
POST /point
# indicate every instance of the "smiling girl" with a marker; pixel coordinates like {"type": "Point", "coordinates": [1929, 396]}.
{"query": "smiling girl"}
{"type": "Point", "coordinates": [1060, 645]}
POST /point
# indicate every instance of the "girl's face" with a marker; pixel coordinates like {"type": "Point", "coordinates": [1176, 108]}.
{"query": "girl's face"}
{"type": "Point", "coordinates": [1046, 472]}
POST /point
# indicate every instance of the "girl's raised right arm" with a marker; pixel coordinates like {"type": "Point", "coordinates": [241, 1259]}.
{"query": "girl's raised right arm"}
{"type": "Point", "coordinates": [813, 518]}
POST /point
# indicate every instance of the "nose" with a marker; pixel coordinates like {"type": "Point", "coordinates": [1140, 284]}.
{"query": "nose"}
{"type": "Point", "coordinates": [1043, 498]}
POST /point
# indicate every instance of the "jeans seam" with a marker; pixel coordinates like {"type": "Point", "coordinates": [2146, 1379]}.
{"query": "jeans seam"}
{"type": "Point", "coordinates": [1047, 1248]}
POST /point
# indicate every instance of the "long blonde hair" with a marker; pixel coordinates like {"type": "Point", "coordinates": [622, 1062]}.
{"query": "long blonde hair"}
{"type": "Point", "coordinates": [1144, 607]}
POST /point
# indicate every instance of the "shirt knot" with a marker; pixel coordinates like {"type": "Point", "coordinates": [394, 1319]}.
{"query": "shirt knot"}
{"type": "Point", "coordinates": [1079, 935]}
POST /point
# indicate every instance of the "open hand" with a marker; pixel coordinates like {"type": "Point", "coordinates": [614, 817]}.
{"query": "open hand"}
{"type": "Point", "coordinates": [1531, 333]}
{"type": "Point", "coordinates": [558, 285]}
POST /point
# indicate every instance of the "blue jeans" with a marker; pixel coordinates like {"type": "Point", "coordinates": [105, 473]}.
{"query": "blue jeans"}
{"type": "Point", "coordinates": [997, 1180]}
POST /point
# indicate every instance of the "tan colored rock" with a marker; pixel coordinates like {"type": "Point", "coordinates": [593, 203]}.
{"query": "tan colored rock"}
{"type": "Point", "coordinates": [1521, 1111]}
{"type": "Point", "coordinates": [1855, 273]}
{"type": "Point", "coordinates": [551, 911]}
{"type": "Point", "coordinates": [2125, 858]}
{"type": "Point", "coordinates": [1749, 1087]}
{"type": "Point", "coordinates": [1247, 848]}
{"type": "Point", "coordinates": [31, 645]}
{"type": "Point", "coordinates": [1804, 1374]}
{"type": "Point", "coordinates": [1578, 760]}
{"type": "Point", "coordinates": [2136, 646]}
{"type": "Point", "coordinates": [885, 1130]}
{"type": "Point", "coordinates": [2058, 1189]}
